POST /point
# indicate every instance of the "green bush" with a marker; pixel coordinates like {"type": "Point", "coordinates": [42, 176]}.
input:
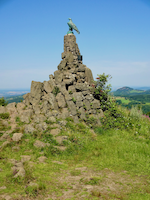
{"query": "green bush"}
{"type": "Point", "coordinates": [56, 91]}
{"type": "Point", "coordinates": [4, 115]}
{"type": "Point", "coordinates": [136, 113]}
{"type": "Point", "coordinates": [3, 102]}
{"type": "Point", "coordinates": [100, 90]}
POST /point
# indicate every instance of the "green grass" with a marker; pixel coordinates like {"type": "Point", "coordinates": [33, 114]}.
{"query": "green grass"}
{"type": "Point", "coordinates": [123, 100]}
{"type": "Point", "coordinates": [136, 91]}
{"type": "Point", "coordinates": [112, 158]}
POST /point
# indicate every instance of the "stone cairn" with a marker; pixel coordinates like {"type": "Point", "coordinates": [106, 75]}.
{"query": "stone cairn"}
{"type": "Point", "coordinates": [66, 94]}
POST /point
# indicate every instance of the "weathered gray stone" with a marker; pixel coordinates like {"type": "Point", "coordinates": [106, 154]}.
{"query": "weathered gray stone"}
{"type": "Point", "coordinates": [88, 75]}
{"type": "Point", "coordinates": [72, 107]}
{"type": "Point", "coordinates": [36, 90]}
{"type": "Point", "coordinates": [45, 107]}
{"type": "Point", "coordinates": [28, 99]}
{"type": "Point", "coordinates": [39, 118]}
{"type": "Point", "coordinates": [42, 159]}
{"type": "Point", "coordinates": [4, 136]}
{"type": "Point", "coordinates": [18, 169]}
{"type": "Point", "coordinates": [68, 96]}
{"type": "Point", "coordinates": [86, 92]}
{"type": "Point", "coordinates": [89, 97]}
{"type": "Point", "coordinates": [81, 86]}
{"type": "Point", "coordinates": [48, 86]}
{"type": "Point", "coordinates": [51, 77]}
{"type": "Point", "coordinates": [20, 107]}
{"type": "Point", "coordinates": [60, 139]}
{"type": "Point", "coordinates": [79, 104]}
{"type": "Point", "coordinates": [78, 96]}
{"type": "Point", "coordinates": [68, 78]}
{"type": "Point", "coordinates": [52, 119]}
{"type": "Point", "coordinates": [5, 123]}
{"type": "Point", "coordinates": [61, 101]}
{"type": "Point", "coordinates": [87, 104]}
{"type": "Point", "coordinates": [58, 76]}
{"type": "Point", "coordinates": [55, 113]}
{"type": "Point", "coordinates": [61, 148]}
{"type": "Point", "coordinates": [62, 64]}
{"type": "Point", "coordinates": [41, 127]}
{"type": "Point", "coordinates": [64, 113]}
{"type": "Point", "coordinates": [96, 104]}
{"type": "Point", "coordinates": [81, 75]}
{"type": "Point", "coordinates": [24, 119]}
{"type": "Point", "coordinates": [29, 128]}
{"type": "Point", "coordinates": [26, 115]}
{"type": "Point", "coordinates": [71, 89]}
{"type": "Point", "coordinates": [55, 132]}
{"type": "Point", "coordinates": [81, 68]}
{"type": "Point", "coordinates": [52, 101]}
{"type": "Point", "coordinates": [75, 119]}
{"type": "Point", "coordinates": [2, 109]}
{"type": "Point", "coordinates": [11, 108]}
{"type": "Point", "coordinates": [62, 122]}
{"type": "Point", "coordinates": [39, 144]}
{"type": "Point", "coordinates": [82, 111]}
{"type": "Point", "coordinates": [25, 158]}
{"type": "Point", "coordinates": [17, 137]}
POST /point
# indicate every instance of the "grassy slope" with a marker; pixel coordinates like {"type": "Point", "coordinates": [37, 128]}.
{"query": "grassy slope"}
{"type": "Point", "coordinates": [111, 164]}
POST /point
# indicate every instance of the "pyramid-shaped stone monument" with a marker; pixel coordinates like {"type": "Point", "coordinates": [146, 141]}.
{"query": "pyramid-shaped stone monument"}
{"type": "Point", "coordinates": [67, 93]}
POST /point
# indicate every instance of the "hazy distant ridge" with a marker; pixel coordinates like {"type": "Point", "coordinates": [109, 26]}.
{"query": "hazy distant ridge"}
{"type": "Point", "coordinates": [130, 91]}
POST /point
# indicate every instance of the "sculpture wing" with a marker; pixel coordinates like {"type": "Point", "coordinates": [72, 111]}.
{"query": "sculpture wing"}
{"type": "Point", "coordinates": [73, 26]}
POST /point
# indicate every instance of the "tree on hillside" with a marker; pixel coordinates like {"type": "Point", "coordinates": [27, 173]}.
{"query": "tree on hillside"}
{"type": "Point", "coordinates": [3, 102]}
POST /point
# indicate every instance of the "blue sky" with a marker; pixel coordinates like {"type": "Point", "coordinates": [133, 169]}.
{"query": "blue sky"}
{"type": "Point", "coordinates": [114, 39]}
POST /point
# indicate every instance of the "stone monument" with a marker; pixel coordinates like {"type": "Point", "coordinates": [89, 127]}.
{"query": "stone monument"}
{"type": "Point", "coordinates": [67, 93]}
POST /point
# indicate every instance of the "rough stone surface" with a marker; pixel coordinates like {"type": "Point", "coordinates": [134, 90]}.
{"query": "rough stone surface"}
{"type": "Point", "coordinates": [39, 118]}
{"type": "Point", "coordinates": [36, 90]}
{"type": "Point", "coordinates": [55, 132]}
{"type": "Point", "coordinates": [18, 169]}
{"type": "Point", "coordinates": [52, 119]}
{"type": "Point", "coordinates": [11, 108]}
{"type": "Point", "coordinates": [17, 137]}
{"type": "Point", "coordinates": [4, 136]}
{"type": "Point", "coordinates": [42, 159]}
{"type": "Point", "coordinates": [2, 109]}
{"type": "Point", "coordinates": [66, 94]}
{"type": "Point", "coordinates": [41, 127]}
{"type": "Point", "coordinates": [72, 107]}
{"type": "Point", "coordinates": [39, 144]}
{"type": "Point", "coordinates": [61, 100]}
{"type": "Point", "coordinates": [60, 139]}
{"type": "Point", "coordinates": [29, 128]}
{"type": "Point", "coordinates": [25, 158]}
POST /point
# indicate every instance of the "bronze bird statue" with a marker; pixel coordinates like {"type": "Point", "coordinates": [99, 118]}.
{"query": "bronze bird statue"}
{"type": "Point", "coordinates": [72, 26]}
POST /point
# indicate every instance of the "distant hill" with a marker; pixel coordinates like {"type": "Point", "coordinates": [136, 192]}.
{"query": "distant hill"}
{"type": "Point", "coordinates": [11, 93]}
{"type": "Point", "coordinates": [129, 91]}
{"type": "Point", "coordinates": [16, 99]}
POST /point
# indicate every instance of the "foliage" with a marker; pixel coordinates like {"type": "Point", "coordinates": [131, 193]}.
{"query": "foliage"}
{"type": "Point", "coordinates": [73, 99]}
{"type": "Point", "coordinates": [91, 121]}
{"type": "Point", "coordinates": [100, 90]}
{"type": "Point", "coordinates": [70, 92]}
{"type": "Point", "coordinates": [136, 113]}
{"type": "Point", "coordinates": [3, 102]}
{"type": "Point", "coordinates": [141, 101]}
{"type": "Point", "coordinates": [56, 91]}
{"type": "Point", "coordinates": [69, 119]}
{"type": "Point", "coordinates": [4, 115]}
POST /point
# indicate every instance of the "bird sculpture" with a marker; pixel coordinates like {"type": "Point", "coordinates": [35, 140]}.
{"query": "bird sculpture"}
{"type": "Point", "coordinates": [72, 26]}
